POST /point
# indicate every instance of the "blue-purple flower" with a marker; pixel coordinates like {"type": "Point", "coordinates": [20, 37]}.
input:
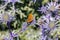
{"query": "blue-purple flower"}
{"type": "Point", "coordinates": [43, 9]}
{"type": "Point", "coordinates": [6, 17]}
{"type": "Point", "coordinates": [46, 21]}
{"type": "Point", "coordinates": [52, 6]}
{"type": "Point", "coordinates": [43, 19]}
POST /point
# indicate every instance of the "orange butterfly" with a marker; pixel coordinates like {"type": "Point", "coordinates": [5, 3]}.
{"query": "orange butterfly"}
{"type": "Point", "coordinates": [30, 18]}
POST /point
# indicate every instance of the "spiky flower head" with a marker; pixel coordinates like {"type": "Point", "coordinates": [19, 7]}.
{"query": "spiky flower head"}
{"type": "Point", "coordinates": [52, 6]}
{"type": "Point", "coordinates": [6, 17]}
{"type": "Point", "coordinates": [43, 9]}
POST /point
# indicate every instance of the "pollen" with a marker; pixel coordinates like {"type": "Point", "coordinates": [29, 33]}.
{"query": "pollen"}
{"type": "Point", "coordinates": [52, 8]}
{"type": "Point", "coordinates": [51, 24]}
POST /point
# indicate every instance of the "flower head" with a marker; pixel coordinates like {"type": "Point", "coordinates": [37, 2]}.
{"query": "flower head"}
{"type": "Point", "coordinates": [43, 22]}
{"type": "Point", "coordinates": [52, 6]}
{"type": "Point", "coordinates": [43, 19]}
{"type": "Point", "coordinates": [6, 17]}
{"type": "Point", "coordinates": [46, 21]}
{"type": "Point", "coordinates": [43, 9]}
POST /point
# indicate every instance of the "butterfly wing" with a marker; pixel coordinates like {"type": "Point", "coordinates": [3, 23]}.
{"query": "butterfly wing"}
{"type": "Point", "coordinates": [30, 18]}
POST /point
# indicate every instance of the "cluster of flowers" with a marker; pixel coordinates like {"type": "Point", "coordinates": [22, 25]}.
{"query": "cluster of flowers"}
{"type": "Point", "coordinates": [47, 22]}
{"type": "Point", "coordinates": [8, 16]}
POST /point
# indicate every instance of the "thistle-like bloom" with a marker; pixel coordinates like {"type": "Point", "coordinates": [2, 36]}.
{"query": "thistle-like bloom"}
{"type": "Point", "coordinates": [47, 21]}
{"type": "Point", "coordinates": [52, 6]}
{"type": "Point", "coordinates": [6, 17]}
{"type": "Point", "coordinates": [43, 19]}
{"type": "Point", "coordinates": [45, 28]}
{"type": "Point", "coordinates": [43, 9]}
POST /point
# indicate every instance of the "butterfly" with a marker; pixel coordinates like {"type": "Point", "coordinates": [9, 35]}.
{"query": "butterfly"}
{"type": "Point", "coordinates": [30, 18]}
